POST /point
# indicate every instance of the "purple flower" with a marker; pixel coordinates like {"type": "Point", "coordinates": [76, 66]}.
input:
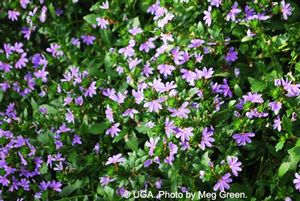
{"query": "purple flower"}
{"type": "Point", "coordinates": [88, 39]}
{"type": "Point", "coordinates": [13, 15]}
{"type": "Point", "coordinates": [4, 181]}
{"type": "Point", "coordinates": [79, 100]}
{"type": "Point", "coordinates": [105, 5]}
{"type": "Point", "coordinates": [207, 16]}
{"type": "Point", "coordinates": [70, 117]}
{"type": "Point", "coordinates": [223, 183]}
{"type": "Point", "coordinates": [102, 23]}
{"type": "Point", "coordinates": [296, 181]}
{"type": "Point", "coordinates": [138, 96]}
{"type": "Point", "coordinates": [151, 144]}
{"type": "Point", "coordinates": [27, 32]}
{"type": "Point", "coordinates": [185, 133]}
{"type": "Point", "coordinates": [158, 183]}
{"type": "Point", "coordinates": [243, 138]}
{"type": "Point", "coordinates": [231, 56]}
{"type": "Point", "coordinates": [286, 10]}
{"type": "Point", "coordinates": [196, 43]}
{"type": "Point", "coordinates": [216, 3]}
{"type": "Point", "coordinates": [75, 41]}
{"type": "Point", "coordinates": [21, 62]}
{"type": "Point", "coordinates": [41, 74]}
{"type": "Point", "coordinates": [55, 185]}
{"type": "Point", "coordinates": [115, 159]}
{"type": "Point", "coordinates": [204, 73]}
{"type": "Point", "coordinates": [91, 91]}
{"type": "Point", "coordinates": [135, 30]}
{"type": "Point", "coordinates": [189, 76]}
{"type": "Point", "coordinates": [155, 105]}
{"type": "Point", "coordinates": [233, 12]}
{"type": "Point", "coordinates": [277, 124]}
{"type": "Point", "coordinates": [53, 49]}
{"type": "Point", "coordinates": [275, 106]}
{"type": "Point", "coordinates": [24, 3]}
{"type": "Point", "coordinates": [147, 45]}
{"type": "Point", "coordinates": [105, 180]}
{"type": "Point", "coordinates": [109, 114]}
{"type": "Point", "coordinates": [234, 165]}
{"type": "Point", "coordinates": [207, 138]}
{"type": "Point", "coordinates": [128, 51]}
{"type": "Point", "coordinates": [169, 127]}
{"type": "Point", "coordinates": [76, 140]}
{"type": "Point", "coordinates": [181, 112]}
{"type": "Point", "coordinates": [130, 113]}
{"type": "Point", "coordinates": [147, 70]}
{"type": "Point", "coordinates": [165, 69]}
{"type": "Point", "coordinates": [114, 130]}
{"type": "Point", "coordinates": [254, 98]}
{"type": "Point", "coordinates": [44, 185]}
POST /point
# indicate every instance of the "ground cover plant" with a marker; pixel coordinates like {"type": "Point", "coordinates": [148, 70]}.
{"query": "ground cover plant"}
{"type": "Point", "coordinates": [100, 100]}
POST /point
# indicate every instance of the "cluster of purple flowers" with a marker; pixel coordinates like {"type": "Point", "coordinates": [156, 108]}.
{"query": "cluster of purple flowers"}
{"type": "Point", "coordinates": [169, 92]}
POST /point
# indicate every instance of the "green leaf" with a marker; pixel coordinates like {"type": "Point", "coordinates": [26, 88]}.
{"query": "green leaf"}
{"type": "Point", "coordinates": [132, 143]}
{"type": "Point", "coordinates": [43, 138]}
{"type": "Point", "coordinates": [246, 38]}
{"type": "Point", "coordinates": [238, 91]}
{"type": "Point", "coordinates": [99, 128]}
{"type": "Point", "coordinates": [257, 85]}
{"type": "Point", "coordinates": [283, 168]}
{"type": "Point", "coordinates": [287, 124]}
{"type": "Point", "coordinates": [34, 105]}
{"type": "Point", "coordinates": [106, 36]}
{"type": "Point", "coordinates": [279, 145]}
{"type": "Point", "coordinates": [297, 67]}
{"type": "Point", "coordinates": [52, 10]}
{"type": "Point", "coordinates": [66, 191]}
{"type": "Point", "coordinates": [91, 18]}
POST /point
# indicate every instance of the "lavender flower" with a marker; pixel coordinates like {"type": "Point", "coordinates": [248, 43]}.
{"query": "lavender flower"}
{"type": "Point", "coordinates": [254, 98]}
{"type": "Point", "coordinates": [70, 117]}
{"type": "Point", "coordinates": [155, 105]}
{"type": "Point", "coordinates": [185, 133]}
{"type": "Point", "coordinates": [115, 159]}
{"type": "Point", "coordinates": [223, 183]}
{"type": "Point", "coordinates": [114, 130]}
{"type": "Point", "coordinates": [243, 138]}
{"type": "Point", "coordinates": [231, 55]}
{"type": "Point", "coordinates": [277, 124]}
{"type": "Point", "coordinates": [109, 114]}
{"type": "Point", "coordinates": [105, 180]}
{"type": "Point", "coordinates": [130, 113]}
{"type": "Point", "coordinates": [181, 112]}
{"type": "Point", "coordinates": [105, 5]}
{"type": "Point", "coordinates": [233, 12]}
{"type": "Point", "coordinates": [151, 144]}
{"type": "Point", "coordinates": [13, 15]}
{"type": "Point", "coordinates": [234, 165]}
{"type": "Point", "coordinates": [88, 39]}
{"type": "Point", "coordinates": [102, 23]}
{"type": "Point", "coordinates": [286, 9]}
{"type": "Point", "coordinates": [76, 140]}
{"type": "Point", "coordinates": [165, 69]}
{"type": "Point", "coordinates": [296, 181]}
{"type": "Point", "coordinates": [91, 91]}
{"type": "Point", "coordinates": [215, 3]}
{"type": "Point", "coordinates": [207, 16]}
{"type": "Point", "coordinates": [206, 139]}
{"type": "Point", "coordinates": [135, 30]}
{"type": "Point", "coordinates": [275, 107]}
{"type": "Point", "coordinates": [54, 50]}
